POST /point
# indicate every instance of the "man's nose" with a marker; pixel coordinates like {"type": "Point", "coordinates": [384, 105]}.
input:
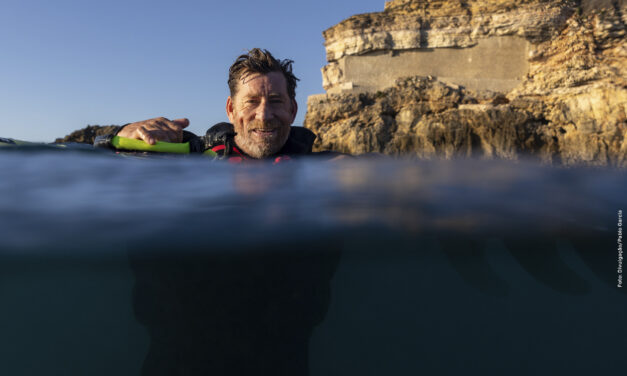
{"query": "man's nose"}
{"type": "Point", "coordinates": [264, 112]}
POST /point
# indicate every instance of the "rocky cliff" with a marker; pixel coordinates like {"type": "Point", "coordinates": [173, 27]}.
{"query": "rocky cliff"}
{"type": "Point", "coordinates": [483, 78]}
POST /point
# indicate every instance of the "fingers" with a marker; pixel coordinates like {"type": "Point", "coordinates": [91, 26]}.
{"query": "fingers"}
{"type": "Point", "coordinates": [175, 126]}
{"type": "Point", "coordinates": [152, 136]}
{"type": "Point", "coordinates": [144, 134]}
{"type": "Point", "coordinates": [182, 123]}
{"type": "Point", "coordinates": [157, 129]}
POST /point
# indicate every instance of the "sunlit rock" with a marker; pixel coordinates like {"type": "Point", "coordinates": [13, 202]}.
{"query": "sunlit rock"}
{"type": "Point", "coordinates": [482, 78]}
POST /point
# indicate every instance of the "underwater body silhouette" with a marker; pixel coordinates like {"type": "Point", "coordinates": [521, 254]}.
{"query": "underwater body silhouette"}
{"type": "Point", "coordinates": [181, 266]}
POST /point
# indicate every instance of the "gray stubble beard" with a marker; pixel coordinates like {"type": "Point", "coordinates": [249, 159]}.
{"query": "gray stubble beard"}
{"type": "Point", "coordinates": [263, 150]}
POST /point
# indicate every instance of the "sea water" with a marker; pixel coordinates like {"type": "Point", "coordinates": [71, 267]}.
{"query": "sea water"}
{"type": "Point", "coordinates": [376, 266]}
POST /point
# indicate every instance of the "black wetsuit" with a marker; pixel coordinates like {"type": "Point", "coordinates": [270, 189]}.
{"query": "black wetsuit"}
{"type": "Point", "coordinates": [226, 310]}
{"type": "Point", "coordinates": [233, 311]}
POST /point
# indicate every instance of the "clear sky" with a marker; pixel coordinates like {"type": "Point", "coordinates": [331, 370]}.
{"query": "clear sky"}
{"type": "Point", "coordinates": [65, 64]}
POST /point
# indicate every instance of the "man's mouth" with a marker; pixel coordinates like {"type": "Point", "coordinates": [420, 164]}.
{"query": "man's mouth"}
{"type": "Point", "coordinates": [265, 132]}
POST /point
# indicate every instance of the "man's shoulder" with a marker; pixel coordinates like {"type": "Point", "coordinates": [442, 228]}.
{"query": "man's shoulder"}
{"type": "Point", "coordinates": [300, 141]}
{"type": "Point", "coordinates": [219, 134]}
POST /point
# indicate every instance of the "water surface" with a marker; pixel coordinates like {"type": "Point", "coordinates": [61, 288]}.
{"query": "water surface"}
{"type": "Point", "coordinates": [123, 265]}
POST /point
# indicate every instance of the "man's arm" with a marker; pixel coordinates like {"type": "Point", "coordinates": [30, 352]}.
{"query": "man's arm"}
{"type": "Point", "coordinates": [157, 129]}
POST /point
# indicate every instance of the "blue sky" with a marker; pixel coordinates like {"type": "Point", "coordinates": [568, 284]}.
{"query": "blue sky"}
{"type": "Point", "coordinates": [65, 64]}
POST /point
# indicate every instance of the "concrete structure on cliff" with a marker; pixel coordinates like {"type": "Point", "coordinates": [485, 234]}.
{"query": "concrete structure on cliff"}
{"type": "Point", "coordinates": [475, 44]}
{"type": "Point", "coordinates": [487, 78]}
{"type": "Point", "coordinates": [497, 63]}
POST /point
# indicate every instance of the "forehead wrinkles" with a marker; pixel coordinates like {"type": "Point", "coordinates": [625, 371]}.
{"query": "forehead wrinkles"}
{"type": "Point", "coordinates": [260, 84]}
{"type": "Point", "coordinates": [249, 77]}
{"type": "Point", "coordinates": [254, 82]}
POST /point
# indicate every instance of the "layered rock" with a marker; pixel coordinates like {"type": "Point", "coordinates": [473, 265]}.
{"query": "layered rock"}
{"type": "Point", "coordinates": [564, 100]}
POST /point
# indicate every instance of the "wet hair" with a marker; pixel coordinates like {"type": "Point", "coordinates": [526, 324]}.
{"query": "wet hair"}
{"type": "Point", "coordinates": [261, 61]}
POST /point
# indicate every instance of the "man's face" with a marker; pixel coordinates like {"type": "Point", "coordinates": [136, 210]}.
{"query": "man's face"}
{"type": "Point", "coordinates": [261, 113]}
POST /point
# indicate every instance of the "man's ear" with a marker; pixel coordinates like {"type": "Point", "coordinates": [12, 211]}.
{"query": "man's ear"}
{"type": "Point", "coordinates": [294, 109]}
{"type": "Point", "coordinates": [229, 110]}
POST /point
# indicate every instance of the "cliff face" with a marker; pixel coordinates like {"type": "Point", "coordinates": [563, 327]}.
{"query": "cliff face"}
{"type": "Point", "coordinates": [487, 78]}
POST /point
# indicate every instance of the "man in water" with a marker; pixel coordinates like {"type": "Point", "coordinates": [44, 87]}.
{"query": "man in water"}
{"type": "Point", "coordinates": [261, 108]}
{"type": "Point", "coordinates": [229, 309]}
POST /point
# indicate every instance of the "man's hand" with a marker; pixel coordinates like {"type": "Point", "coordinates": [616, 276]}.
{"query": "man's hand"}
{"type": "Point", "coordinates": [157, 129]}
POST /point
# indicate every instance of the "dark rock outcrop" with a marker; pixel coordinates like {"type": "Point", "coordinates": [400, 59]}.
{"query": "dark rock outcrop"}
{"type": "Point", "coordinates": [88, 134]}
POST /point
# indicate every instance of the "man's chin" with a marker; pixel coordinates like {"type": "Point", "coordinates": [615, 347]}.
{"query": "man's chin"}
{"type": "Point", "coordinates": [262, 144]}
{"type": "Point", "coordinates": [259, 150]}
{"type": "Point", "coordinates": [264, 139]}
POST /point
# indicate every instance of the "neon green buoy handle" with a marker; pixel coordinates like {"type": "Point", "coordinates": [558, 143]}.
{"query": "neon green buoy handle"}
{"type": "Point", "coordinates": [159, 147]}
